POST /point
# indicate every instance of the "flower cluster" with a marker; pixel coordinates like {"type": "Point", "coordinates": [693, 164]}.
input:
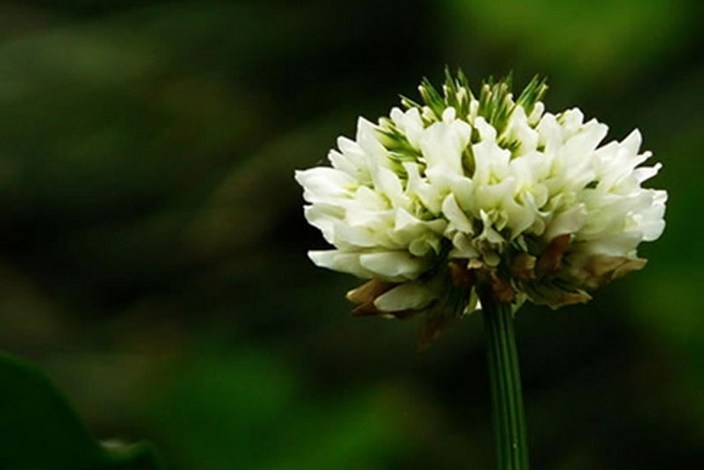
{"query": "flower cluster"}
{"type": "Point", "coordinates": [460, 193]}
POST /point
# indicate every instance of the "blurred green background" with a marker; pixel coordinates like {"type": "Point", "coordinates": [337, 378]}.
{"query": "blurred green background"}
{"type": "Point", "coordinates": [153, 246]}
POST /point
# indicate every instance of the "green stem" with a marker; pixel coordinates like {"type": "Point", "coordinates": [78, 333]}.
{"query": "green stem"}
{"type": "Point", "coordinates": [504, 375]}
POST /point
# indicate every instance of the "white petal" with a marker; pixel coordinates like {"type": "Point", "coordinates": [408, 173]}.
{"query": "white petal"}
{"type": "Point", "coordinates": [323, 217]}
{"type": "Point", "coordinates": [340, 261]}
{"type": "Point", "coordinates": [388, 183]}
{"type": "Point", "coordinates": [323, 183]}
{"type": "Point", "coordinates": [458, 219]}
{"type": "Point", "coordinates": [392, 265]}
{"type": "Point", "coordinates": [407, 296]}
{"type": "Point", "coordinates": [645, 173]}
{"type": "Point", "coordinates": [346, 236]}
{"type": "Point", "coordinates": [443, 143]}
{"type": "Point", "coordinates": [569, 221]}
{"type": "Point", "coordinates": [463, 247]}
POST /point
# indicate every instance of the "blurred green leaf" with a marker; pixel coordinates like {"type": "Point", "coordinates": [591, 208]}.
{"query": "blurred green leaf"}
{"type": "Point", "coordinates": [248, 411]}
{"type": "Point", "coordinates": [40, 430]}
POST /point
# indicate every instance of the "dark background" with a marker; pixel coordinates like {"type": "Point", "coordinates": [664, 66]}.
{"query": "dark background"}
{"type": "Point", "coordinates": [152, 245]}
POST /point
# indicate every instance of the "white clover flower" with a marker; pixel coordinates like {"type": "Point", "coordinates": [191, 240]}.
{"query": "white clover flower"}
{"type": "Point", "coordinates": [461, 191]}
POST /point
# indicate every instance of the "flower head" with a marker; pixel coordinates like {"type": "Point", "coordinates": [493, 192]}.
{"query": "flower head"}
{"type": "Point", "coordinates": [463, 192]}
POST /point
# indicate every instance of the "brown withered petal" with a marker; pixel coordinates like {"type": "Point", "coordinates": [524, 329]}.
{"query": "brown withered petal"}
{"type": "Point", "coordinates": [503, 292]}
{"type": "Point", "coordinates": [485, 274]}
{"type": "Point", "coordinates": [550, 260]}
{"type": "Point", "coordinates": [434, 325]}
{"type": "Point", "coordinates": [523, 267]}
{"type": "Point", "coordinates": [556, 298]}
{"type": "Point", "coordinates": [601, 269]}
{"type": "Point", "coordinates": [629, 266]}
{"type": "Point", "coordinates": [369, 291]}
{"type": "Point", "coordinates": [365, 295]}
{"type": "Point", "coordinates": [366, 309]}
{"type": "Point", "coordinates": [461, 276]}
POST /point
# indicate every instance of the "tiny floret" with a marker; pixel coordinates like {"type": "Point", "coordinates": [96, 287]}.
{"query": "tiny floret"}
{"type": "Point", "coordinates": [460, 191]}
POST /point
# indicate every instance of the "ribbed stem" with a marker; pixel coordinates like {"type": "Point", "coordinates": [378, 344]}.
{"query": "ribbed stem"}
{"type": "Point", "coordinates": [506, 396]}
